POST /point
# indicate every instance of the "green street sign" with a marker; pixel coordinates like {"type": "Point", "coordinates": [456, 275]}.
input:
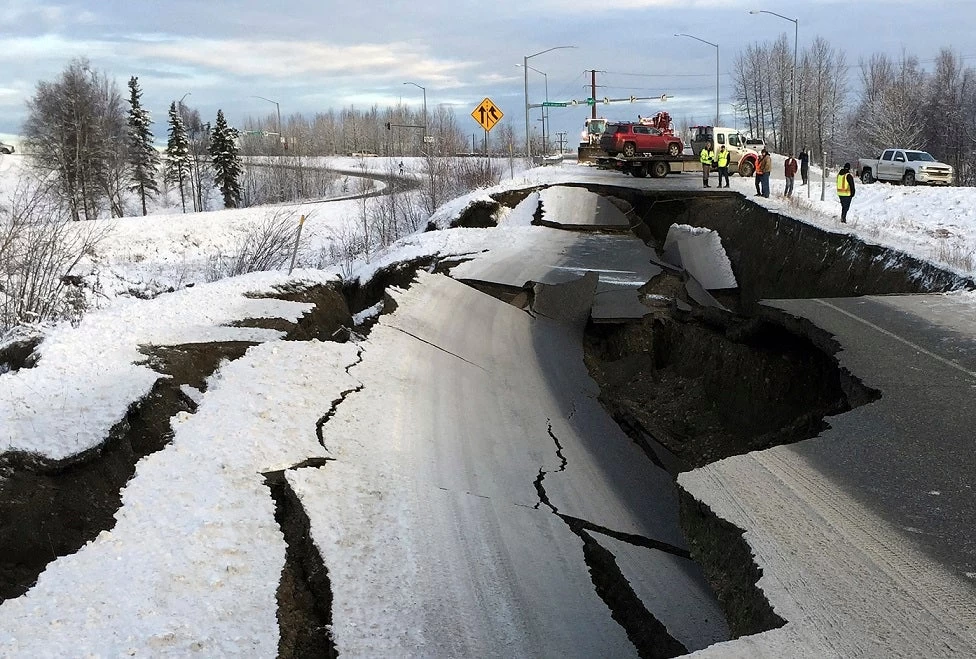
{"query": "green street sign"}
{"type": "Point", "coordinates": [554, 104]}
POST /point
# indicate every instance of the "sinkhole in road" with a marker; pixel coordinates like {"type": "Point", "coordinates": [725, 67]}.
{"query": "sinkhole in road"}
{"type": "Point", "coordinates": [693, 384]}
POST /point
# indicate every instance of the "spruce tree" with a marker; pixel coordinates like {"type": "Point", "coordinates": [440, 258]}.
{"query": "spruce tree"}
{"type": "Point", "coordinates": [178, 161]}
{"type": "Point", "coordinates": [224, 154]}
{"type": "Point", "coordinates": [142, 154]}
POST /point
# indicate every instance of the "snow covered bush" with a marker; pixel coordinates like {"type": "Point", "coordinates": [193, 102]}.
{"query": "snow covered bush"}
{"type": "Point", "coordinates": [265, 246]}
{"type": "Point", "coordinates": [40, 247]}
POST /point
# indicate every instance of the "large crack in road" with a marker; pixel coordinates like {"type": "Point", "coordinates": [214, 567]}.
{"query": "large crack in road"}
{"type": "Point", "coordinates": [648, 634]}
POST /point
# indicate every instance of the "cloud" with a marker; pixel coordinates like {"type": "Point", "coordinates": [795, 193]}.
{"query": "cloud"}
{"type": "Point", "coordinates": [290, 59]}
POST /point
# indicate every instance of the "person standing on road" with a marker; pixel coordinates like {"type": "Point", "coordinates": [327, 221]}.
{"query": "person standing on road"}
{"type": "Point", "coordinates": [845, 190]}
{"type": "Point", "coordinates": [706, 157]}
{"type": "Point", "coordinates": [759, 176]}
{"type": "Point", "coordinates": [790, 171]}
{"type": "Point", "coordinates": [722, 162]}
{"type": "Point", "coordinates": [804, 165]}
{"type": "Point", "coordinates": [766, 164]}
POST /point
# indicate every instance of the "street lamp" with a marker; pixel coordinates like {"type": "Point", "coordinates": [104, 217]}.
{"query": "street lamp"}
{"type": "Point", "coordinates": [525, 88]}
{"type": "Point", "coordinates": [424, 90]}
{"type": "Point", "coordinates": [180, 102]}
{"type": "Point", "coordinates": [278, 109]}
{"type": "Point", "coordinates": [545, 110]}
{"type": "Point", "coordinates": [715, 46]}
{"type": "Point", "coordinates": [796, 34]}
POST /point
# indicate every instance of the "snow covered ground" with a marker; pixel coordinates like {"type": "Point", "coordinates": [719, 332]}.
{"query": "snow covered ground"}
{"type": "Point", "coordinates": [194, 559]}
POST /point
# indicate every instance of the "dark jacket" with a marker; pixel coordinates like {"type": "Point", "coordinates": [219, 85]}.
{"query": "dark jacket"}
{"type": "Point", "coordinates": [790, 167]}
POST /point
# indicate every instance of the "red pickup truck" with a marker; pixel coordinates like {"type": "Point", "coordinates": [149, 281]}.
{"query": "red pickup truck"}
{"type": "Point", "coordinates": [633, 138]}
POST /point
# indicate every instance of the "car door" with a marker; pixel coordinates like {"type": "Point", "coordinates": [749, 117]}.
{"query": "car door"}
{"type": "Point", "coordinates": [652, 141]}
{"type": "Point", "coordinates": [886, 165]}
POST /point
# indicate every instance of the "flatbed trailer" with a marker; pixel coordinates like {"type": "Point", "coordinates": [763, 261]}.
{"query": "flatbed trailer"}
{"type": "Point", "coordinates": [659, 166]}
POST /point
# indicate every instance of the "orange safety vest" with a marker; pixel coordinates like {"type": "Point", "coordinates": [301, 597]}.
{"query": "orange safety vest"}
{"type": "Point", "coordinates": [843, 186]}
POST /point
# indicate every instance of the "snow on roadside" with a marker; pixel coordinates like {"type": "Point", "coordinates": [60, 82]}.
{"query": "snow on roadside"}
{"type": "Point", "coordinates": [194, 561]}
{"type": "Point", "coordinates": [87, 375]}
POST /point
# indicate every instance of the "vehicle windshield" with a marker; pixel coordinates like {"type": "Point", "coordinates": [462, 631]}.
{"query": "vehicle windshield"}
{"type": "Point", "coordinates": [919, 156]}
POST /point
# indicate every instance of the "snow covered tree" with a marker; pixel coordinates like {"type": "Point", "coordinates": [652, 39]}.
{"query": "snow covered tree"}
{"type": "Point", "coordinates": [226, 161]}
{"type": "Point", "coordinates": [143, 156]}
{"type": "Point", "coordinates": [75, 130]}
{"type": "Point", "coordinates": [178, 161]}
{"type": "Point", "coordinates": [890, 111]}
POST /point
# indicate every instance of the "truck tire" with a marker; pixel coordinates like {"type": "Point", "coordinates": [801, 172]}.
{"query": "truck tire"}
{"type": "Point", "coordinates": [630, 150]}
{"type": "Point", "coordinates": [747, 168]}
{"type": "Point", "coordinates": [638, 172]}
{"type": "Point", "coordinates": [908, 178]}
{"type": "Point", "coordinates": [674, 149]}
{"type": "Point", "coordinates": [866, 177]}
{"type": "Point", "coordinates": [659, 169]}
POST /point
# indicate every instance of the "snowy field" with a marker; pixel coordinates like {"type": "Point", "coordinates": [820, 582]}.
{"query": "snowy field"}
{"type": "Point", "coordinates": [193, 562]}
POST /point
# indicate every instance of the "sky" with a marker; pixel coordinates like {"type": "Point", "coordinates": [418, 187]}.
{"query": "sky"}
{"type": "Point", "coordinates": [309, 55]}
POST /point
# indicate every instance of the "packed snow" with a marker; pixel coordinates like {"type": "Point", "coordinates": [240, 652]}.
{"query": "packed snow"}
{"type": "Point", "coordinates": [194, 559]}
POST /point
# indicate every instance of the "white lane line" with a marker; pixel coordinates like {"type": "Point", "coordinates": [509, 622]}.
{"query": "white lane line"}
{"type": "Point", "coordinates": [947, 362]}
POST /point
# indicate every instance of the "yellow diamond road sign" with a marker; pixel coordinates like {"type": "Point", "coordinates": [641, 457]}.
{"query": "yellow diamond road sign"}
{"type": "Point", "coordinates": [487, 114]}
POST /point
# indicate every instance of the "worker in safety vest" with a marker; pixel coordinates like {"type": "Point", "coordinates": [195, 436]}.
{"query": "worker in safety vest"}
{"type": "Point", "coordinates": [722, 161]}
{"type": "Point", "coordinates": [845, 189]}
{"type": "Point", "coordinates": [706, 157]}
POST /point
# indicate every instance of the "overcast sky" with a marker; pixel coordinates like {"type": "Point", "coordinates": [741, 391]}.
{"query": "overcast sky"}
{"type": "Point", "coordinates": [311, 55]}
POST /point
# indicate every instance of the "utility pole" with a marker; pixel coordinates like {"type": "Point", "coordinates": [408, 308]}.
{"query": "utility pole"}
{"type": "Point", "coordinates": [561, 141]}
{"type": "Point", "coordinates": [593, 93]}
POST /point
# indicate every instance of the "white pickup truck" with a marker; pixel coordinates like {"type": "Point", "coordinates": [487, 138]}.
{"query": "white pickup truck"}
{"type": "Point", "coordinates": [904, 166]}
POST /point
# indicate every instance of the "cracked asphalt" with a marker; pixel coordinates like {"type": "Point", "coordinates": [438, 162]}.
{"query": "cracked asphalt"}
{"type": "Point", "coordinates": [513, 498]}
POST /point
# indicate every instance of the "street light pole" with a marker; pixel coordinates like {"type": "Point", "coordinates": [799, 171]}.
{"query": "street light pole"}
{"type": "Point", "coordinates": [525, 88]}
{"type": "Point", "coordinates": [545, 110]}
{"type": "Point", "coordinates": [278, 110]}
{"type": "Point", "coordinates": [715, 46]}
{"type": "Point", "coordinates": [796, 39]}
{"type": "Point", "coordinates": [281, 153]}
{"type": "Point", "coordinates": [424, 90]}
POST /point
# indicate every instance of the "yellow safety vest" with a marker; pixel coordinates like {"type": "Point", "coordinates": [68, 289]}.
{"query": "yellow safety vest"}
{"type": "Point", "coordinates": [705, 157]}
{"type": "Point", "coordinates": [843, 186]}
{"type": "Point", "coordinates": [723, 158]}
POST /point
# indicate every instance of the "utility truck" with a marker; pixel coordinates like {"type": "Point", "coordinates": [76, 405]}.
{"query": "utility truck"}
{"type": "Point", "coordinates": [742, 160]}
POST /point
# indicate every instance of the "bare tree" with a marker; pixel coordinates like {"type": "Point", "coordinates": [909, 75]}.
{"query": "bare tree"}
{"type": "Point", "coordinates": [825, 70]}
{"type": "Point", "coordinates": [76, 130]}
{"type": "Point", "coordinates": [889, 112]}
{"type": "Point", "coordinates": [948, 87]}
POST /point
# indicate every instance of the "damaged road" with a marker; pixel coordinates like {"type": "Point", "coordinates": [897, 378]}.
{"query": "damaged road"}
{"type": "Point", "coordinates": [582, 453]}
{"type": "Point", "coordinates": [446, 479]}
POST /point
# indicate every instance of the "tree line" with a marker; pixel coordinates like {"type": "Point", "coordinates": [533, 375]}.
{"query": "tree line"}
{"type": "Point", "coordinates": [94, 150]}
{"type": "Point", "coordinates": [851, 111]}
